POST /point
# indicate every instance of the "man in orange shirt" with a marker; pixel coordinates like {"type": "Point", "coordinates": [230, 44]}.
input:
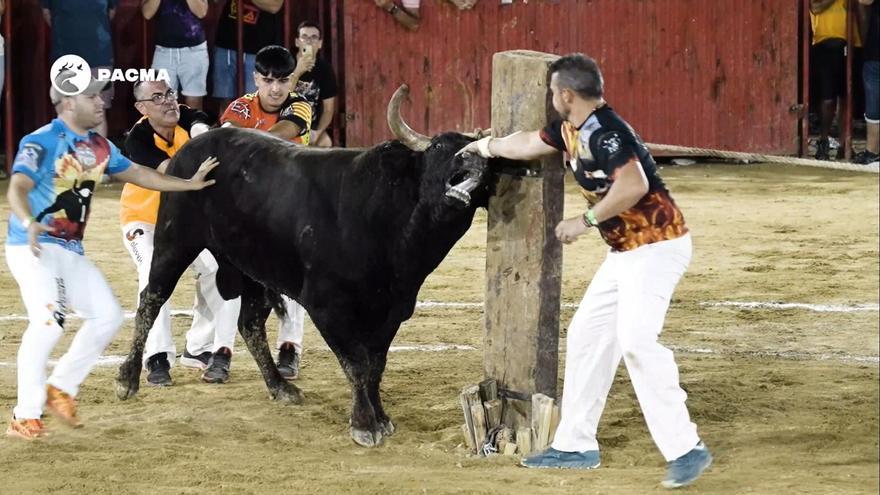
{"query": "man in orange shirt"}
{"type": "Point", "coordinates": [165, 127]}
{"type": "Point", "coordinates": [274, 108]}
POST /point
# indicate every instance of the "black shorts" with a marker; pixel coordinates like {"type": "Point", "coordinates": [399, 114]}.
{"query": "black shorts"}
{"type": "Point", "coordinates": [829, 64]}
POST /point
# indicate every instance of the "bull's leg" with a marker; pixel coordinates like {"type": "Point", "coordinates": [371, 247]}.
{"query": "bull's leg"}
{"type": "Point", "coordinates": [165, 270]}
{"type": "Point", "coordinates": [373, 381]}
{"type": "Point", "coordinates": [252, 326]}
{"type": "Point", "coordinates": [357, 362]}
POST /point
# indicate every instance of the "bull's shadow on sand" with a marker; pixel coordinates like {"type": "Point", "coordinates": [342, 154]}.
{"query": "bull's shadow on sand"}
{"type": "Point", "coordinates": [349, 234]}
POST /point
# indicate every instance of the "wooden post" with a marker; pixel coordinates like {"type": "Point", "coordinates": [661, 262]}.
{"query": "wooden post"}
{"type": "Point", "coordinates": [523, 259]}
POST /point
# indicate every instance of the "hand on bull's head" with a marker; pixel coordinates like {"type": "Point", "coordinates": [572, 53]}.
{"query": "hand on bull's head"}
{"type": "Point", "coordinates": [198, 181]}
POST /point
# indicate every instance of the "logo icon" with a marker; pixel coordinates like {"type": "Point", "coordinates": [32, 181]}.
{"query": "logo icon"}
{"type": "Point", "coordinates": [70, 75]}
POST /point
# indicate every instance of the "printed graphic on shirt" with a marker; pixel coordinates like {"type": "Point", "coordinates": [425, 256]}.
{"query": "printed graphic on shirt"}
{"type": "Point", "coordinates": [247, 112]}
{"type": "Point", "coordinates": [77, 171]}
{"type": "Point", "coordinates": [596, 152]}
{"type": "Point", "coordinates": [29, 157]}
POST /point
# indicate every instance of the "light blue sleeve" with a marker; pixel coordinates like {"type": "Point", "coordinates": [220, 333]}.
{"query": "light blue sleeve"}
{"type": "Point", "coordinates": [31, 159]}
{"type": "Point", "coordinates": [118, 162]}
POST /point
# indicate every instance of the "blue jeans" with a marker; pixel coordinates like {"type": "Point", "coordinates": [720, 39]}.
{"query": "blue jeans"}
{"type": "Point", "coordinates": [225, 73]}
{"type": "Point", "coordinates": [871, 78]}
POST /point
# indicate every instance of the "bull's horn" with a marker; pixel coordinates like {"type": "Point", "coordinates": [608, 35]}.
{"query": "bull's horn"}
{"type": "Point", "coordinates": [412, 139]}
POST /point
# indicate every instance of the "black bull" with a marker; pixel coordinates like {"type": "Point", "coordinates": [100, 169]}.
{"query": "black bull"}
{"type": "Point", "coordinates": [349, 234]}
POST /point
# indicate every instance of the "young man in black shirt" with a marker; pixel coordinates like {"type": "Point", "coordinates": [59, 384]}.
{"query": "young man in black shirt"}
{"type": "Point", "coordinates": [315, 81]}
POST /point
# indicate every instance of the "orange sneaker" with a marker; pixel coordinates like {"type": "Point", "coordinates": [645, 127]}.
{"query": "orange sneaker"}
{"type": "Point", "coordinates": [27, 429]}
{"type": "Point", "coordinates": [62, 406]}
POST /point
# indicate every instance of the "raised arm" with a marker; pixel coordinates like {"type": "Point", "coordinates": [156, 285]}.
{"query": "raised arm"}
{"type": "Point", "coordinates": [148, 178]}
{"type": "Point", "coordinates": [149, 8]}
{"type": "Point", "coordinates": [407, 18]}
{"type": "Point", "coordinates": [270, 6]}
{"type": "Point", "coordinates": [516, 146]}
{"type": "Point", "coordinates": [819, 6]}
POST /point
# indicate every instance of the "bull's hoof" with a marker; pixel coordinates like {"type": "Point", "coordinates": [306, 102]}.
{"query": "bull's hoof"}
{"type": "Point", "coordinates": [367, 438]}
{"type": "Point", "coordinates": [125, 390]}
{"type": "Point", "coordinates": [387, 427]}
{"type": "Point", "coordinates": [127, 380]}
{"type": "Point", "coordinates": [288, 393]}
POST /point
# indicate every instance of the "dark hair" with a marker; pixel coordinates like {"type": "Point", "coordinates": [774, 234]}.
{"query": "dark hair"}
{"type": "Point", "coordinates": [274, 61]}
{"type": "Point", "coordinates": [580, 74]}
{"type": "Point", "coordinates": [308, 24]}
{"type": "Point", "coordinates": [138, 88]}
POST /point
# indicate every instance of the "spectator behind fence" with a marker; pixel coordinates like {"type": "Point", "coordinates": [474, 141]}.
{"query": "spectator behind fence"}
{"type": "Point", "coordinates": [2, 49]}
{"type": "Point", "coordinates": [181, 48]}
{"type": "Point", "coordinates": [82, 27]}
{"type": "Point", "coordinates": [315, 81]}
{"type": "Point", "coordinates": [260, 27]}
{"type": "Point", "coordinates": [871, 79]}
{"type": "Point", "coordinates": [3, 174]}
{"type": "Point", "coordinates": [828, 19]}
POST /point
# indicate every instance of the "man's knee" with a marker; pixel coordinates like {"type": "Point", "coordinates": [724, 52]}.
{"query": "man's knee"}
{"type": "Point", "coordinates": [111, 316]}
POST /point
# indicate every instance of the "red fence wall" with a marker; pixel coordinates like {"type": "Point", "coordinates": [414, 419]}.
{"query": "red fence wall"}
{"type": "Point", "coordinates": [717, 73]}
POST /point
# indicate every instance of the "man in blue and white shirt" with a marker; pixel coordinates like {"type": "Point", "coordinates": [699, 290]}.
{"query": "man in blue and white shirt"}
{"type": "Point", "coordinates": [53, 179]}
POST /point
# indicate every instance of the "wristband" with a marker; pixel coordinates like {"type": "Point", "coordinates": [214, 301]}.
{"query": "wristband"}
{"type": "Point", "coordinates": [590, 217]}
{"type": "Point", "coordinates": [394, 8]}
{"type": "Point", "coordinates": [585, 221]}
{"type": "Point", "coordinates": [27, 222]}
{"type": "Point", "coordinates": [483, 145]}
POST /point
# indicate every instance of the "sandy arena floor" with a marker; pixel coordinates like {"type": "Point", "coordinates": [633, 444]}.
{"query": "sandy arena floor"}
{"type": "Point", "coordinates": [786, 397]}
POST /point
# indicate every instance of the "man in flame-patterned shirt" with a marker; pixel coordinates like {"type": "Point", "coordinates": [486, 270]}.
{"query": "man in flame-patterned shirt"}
{"type": "Point", "coordinates": [622, 313]}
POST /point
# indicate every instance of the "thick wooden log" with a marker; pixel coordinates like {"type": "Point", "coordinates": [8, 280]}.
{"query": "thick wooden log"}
{"type": "Point", "coordinates": [542, 417]}
{"type": "Point", "coordinates": [523, 257]}
{"type": "Point", "coordinates": [488, 389]}
{"type": "Point", "coordinates": [469, 395]}
{"type": "Point", "coordinates": [493, 413]}
{"type": "Point", "coordinates": [479, 418]}
{"type": "Point", "coordinates": [524, 440]}
{"type": "Point", "coordinates": [468, 437]}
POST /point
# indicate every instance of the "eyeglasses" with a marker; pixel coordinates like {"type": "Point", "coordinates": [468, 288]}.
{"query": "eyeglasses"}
{"type": "Point", "coordinates": [311, 38]}
{"type": "Point", "coordinates": [159, 99]}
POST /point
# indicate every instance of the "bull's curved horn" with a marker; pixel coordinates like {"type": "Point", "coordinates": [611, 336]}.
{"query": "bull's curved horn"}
{"type": "Point", "coordinates": [412, 139]}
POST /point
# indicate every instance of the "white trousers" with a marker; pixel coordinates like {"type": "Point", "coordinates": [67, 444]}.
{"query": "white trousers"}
{"type": "Point", "coordinates": [215, 320]}
{"type": "Point", "coordinates": [622, 315]}
{"type": "Point", "coordinates": [210, 310]}
{"type": "Point", "coordinates": [52, 286]}
{"type": "Point", "coordinates": [206, 335]}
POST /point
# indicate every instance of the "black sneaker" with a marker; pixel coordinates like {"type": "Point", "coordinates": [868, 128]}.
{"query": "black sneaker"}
{"type": "Point", "coordinates": [866, 157]}
{"type": "Point", "coordinates": [158, 366]}
{"type": "Point", "coordinates": [823, 149]}
{"type": "Point", "coordinates": [288, 361]}
{"type": "Point", "coordinates": [199, 362]}
{"type": "Point", "coordinates": [218, 367]}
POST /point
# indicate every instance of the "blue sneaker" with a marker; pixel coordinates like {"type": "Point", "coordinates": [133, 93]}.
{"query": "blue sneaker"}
{"type": "Point", "coordinates": [552, 458]}
{"type": "Point", "coordinates": [687, 468]}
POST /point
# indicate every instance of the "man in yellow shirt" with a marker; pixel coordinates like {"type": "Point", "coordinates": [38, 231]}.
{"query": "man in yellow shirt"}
{"type": "Point", "coordinates": [165, 127]}
{"type": "Point", "coordinates": [828, 19]}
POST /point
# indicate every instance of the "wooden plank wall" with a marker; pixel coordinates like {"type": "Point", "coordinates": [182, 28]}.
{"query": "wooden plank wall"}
{"type": "Point", "coordinates": [719, 73]}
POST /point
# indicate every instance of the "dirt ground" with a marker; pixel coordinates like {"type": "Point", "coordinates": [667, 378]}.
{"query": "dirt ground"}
{"type": "Point", "coordinates": [786, 398]}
